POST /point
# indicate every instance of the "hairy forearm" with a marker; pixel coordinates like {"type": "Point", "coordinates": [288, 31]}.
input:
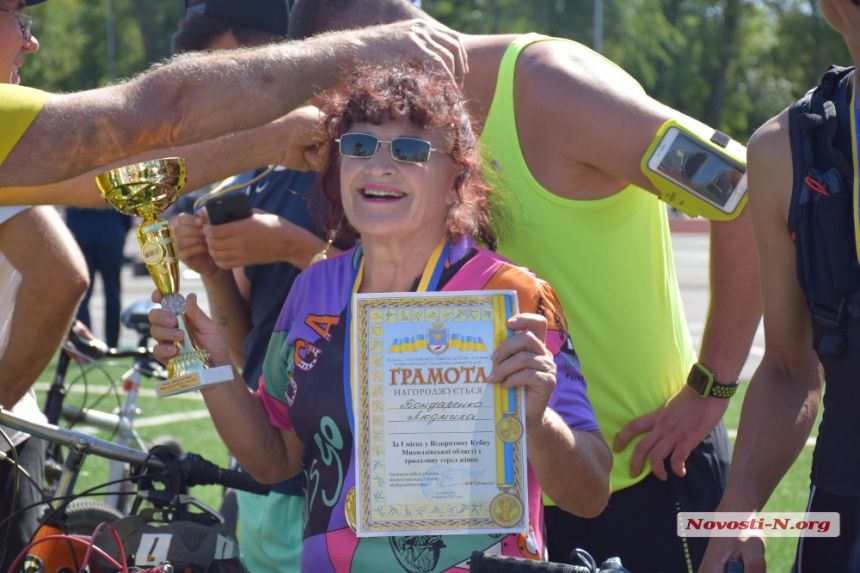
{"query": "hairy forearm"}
{"type": "Point", "coordinates": [230, 312]}
{"type": "Point", "coordinates": [572, 468]}
{"type": "Point", "coordinates": [778, 414]}
{"type": "Point", "coordinates": [207, 162]}
{"type": "Point", "coordinates": [242, 423]}
{"type": "Point", "coordinates": [187, 101]}
{"type": "Point", "coordinates": [735, 309]}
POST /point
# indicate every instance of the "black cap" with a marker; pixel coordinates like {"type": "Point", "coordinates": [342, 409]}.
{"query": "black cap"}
{"type": "Point", "coordinates": [33, 2]}
{"type": "Point", "coordinates": [269, 15]}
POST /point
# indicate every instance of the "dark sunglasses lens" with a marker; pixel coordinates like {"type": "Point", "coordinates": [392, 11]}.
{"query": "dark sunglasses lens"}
{"type": "Point", "coordinates": [411, 150]}
{"type": "Point", "coordinates": [358, 144]}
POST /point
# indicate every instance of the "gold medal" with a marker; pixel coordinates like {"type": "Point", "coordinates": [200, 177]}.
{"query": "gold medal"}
{"type": "Point", "coordinates": [349, 509]}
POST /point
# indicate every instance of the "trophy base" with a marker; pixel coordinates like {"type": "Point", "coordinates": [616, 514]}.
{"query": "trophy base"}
{"type": "Point", "coordinates": [188, 363]}
{"type": "Point", "coordinates": [194, 381]}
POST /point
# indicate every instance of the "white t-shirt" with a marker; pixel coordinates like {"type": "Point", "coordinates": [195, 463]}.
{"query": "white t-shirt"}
{"type": "Point", "coordinates": [9, 281]}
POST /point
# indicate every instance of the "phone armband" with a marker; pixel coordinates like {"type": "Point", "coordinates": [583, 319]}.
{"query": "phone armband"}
{"type": "Point", "coordinates": [697, 170]}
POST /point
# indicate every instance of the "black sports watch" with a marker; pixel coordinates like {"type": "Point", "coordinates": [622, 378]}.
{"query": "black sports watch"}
{"type": "Point", "coordinates": [703, 383]}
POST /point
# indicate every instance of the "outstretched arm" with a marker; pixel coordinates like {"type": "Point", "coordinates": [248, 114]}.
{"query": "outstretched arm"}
{"type": "Point", "coordinates": [53, 281]}
{"type": "Point", "coordinates": [198, 98]}
{"type": "Point", "coordinates": [282, 142]}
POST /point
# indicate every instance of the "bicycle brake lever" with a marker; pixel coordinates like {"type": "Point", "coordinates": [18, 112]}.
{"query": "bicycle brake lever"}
{"type": "Point", "coordinates": [188, 500]}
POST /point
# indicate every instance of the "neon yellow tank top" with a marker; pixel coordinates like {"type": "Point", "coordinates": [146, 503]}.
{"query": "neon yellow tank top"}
{"type": "Point", "coordinates": [610, 262]}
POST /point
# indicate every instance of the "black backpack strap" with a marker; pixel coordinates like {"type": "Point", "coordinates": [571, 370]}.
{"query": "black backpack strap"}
{"type": "Point", "coordinates": [812, 128]}
{"type": "Point", "coordinates": [816, 157]}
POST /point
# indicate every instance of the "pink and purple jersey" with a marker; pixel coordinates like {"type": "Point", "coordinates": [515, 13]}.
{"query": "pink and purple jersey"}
{"type": "Point", "coordinates": [302, 388]}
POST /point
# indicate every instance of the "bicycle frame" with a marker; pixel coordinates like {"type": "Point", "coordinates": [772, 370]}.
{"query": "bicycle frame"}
{"type": "Point", "coordinates": [170, 506]}
{"type": "Point", "coordinates": [120, 424]}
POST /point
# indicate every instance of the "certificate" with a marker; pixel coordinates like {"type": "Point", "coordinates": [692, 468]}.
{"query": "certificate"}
{"type": "Point", "coordinates": [438, 448]}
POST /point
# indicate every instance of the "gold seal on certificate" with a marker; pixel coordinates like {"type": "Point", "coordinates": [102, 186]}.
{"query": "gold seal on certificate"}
{"type": "Point", "coordinates": [506, 510]}
{"type": "Point", "coordinates": [509, 429]}
{"type": "Point", "coordinates": [349, 509]}
{"type": "Point", "coordinates": [439, 449]}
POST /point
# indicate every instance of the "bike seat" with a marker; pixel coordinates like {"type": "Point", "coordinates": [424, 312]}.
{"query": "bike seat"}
{"type": "Point", "coordinates": [136, 316]}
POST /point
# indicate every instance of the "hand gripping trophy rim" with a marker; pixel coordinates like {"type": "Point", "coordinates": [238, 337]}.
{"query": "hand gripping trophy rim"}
{"type": "Point", "coordinates": [146, 189]}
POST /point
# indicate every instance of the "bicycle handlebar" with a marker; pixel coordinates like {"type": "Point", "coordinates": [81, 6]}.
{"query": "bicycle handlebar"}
{"type": "Point", "coordinates": [76, 440]}
{"type": "Point", "coordinates": [194, 468]}
{"type": "Point", "coordinates": [96, 349]}
{"type": "Point", "coordinates": [204, 472]}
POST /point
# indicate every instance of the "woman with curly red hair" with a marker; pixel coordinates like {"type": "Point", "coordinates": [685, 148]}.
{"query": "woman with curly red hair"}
{"type": "Point", "coordinates": [403, 176]}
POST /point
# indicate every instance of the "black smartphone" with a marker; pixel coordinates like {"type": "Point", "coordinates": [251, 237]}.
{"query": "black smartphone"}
{"type": "Point", "coordinates": [234, 207]}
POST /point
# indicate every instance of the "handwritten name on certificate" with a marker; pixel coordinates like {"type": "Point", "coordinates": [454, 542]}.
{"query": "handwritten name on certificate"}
{"type": "Point", "coordinates": [439, 449]}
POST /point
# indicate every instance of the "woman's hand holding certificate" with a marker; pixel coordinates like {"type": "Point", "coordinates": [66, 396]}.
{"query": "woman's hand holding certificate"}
{"type": "Point", "coordinates": [524, 360]}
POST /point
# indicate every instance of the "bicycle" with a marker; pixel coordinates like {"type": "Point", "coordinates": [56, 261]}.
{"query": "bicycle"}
{"type": "Point", "coordinates": [94, 356]}
{"type": "Point", "coordinates": [170, 530]}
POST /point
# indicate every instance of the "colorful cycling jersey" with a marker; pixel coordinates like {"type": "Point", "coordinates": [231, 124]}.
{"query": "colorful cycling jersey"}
{"type": "Point", "coordinates": [302, 388]}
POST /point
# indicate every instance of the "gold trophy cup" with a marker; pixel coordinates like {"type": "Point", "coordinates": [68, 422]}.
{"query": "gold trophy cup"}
{"type": "Point", "coordinates": [145, 190]}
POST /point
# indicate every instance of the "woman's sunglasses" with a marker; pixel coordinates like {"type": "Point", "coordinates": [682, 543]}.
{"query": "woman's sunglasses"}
{"type": "Point", "coordinates": [406, 149]}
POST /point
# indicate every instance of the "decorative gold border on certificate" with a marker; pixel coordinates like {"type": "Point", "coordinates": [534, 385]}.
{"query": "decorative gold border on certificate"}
{"type": "Point", "coordinates": [362, 357]}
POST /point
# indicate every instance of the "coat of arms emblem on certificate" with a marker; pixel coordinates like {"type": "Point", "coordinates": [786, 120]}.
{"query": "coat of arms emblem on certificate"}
{"type": "Point", "coordinates": [439, 449]}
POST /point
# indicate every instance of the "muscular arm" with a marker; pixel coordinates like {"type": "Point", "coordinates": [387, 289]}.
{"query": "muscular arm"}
{"type": "Point", "coordinates": [735, 308]}
{"type": "Point", "coordinates": [782, 401]}
{"type": "Point", "coordinates": [281, 142]}
{"type": "Point", "coordinates": [615, 122]}
{"type": "Point", "coordinates": [198, 98]}
{"type": "Point", "coordinates": [53, 280]}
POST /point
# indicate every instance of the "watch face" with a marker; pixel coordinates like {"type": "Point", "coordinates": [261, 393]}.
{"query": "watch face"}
{"type": "Point", "coordinates": [698, 380]}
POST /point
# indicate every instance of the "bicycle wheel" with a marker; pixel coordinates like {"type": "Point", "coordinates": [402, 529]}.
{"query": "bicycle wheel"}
{"type": "Point", "coordinates": [84, 515]}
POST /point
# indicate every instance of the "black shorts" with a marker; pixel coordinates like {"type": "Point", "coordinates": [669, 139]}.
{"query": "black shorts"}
{"type": "Point", "coordinates": [830, 553]}
{"type": "Point", "coordinates": [639, 524]}
{"type": "Point", "coordinates": [31, 457]}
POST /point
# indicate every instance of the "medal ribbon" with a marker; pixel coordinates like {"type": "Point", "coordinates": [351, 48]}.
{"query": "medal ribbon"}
{"type": "Point", "coordinates": [429, 282]}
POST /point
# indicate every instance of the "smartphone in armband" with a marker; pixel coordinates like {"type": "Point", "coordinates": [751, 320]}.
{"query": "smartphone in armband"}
{"type": "Point", "coordinates": [700, 174]}
{"type": "Point", "coordinates": [232, 207]}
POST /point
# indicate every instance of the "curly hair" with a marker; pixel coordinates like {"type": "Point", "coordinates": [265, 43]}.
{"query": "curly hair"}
{"type": "Point", "coordinates": [429, 99]}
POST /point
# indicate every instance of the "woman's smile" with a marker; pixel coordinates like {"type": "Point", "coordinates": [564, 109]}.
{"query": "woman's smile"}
{"type": "Point", "coordinates": [377, 193]}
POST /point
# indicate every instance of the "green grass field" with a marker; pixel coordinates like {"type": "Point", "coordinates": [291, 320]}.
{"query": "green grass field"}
{"type": "Point", "coordinates": [184, 418]}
